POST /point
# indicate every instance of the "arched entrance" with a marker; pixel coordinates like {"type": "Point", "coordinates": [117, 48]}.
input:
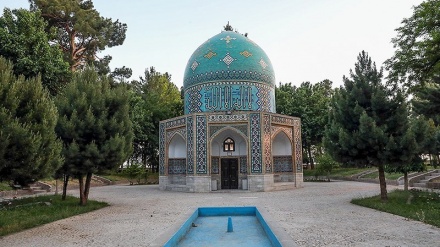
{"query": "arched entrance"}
{"type": "Point", "coordinates": [282, 158]}
{"type": "Point", "coordinates": [177, 159]}
{"type": "Point", "coordinates": [229, 158]}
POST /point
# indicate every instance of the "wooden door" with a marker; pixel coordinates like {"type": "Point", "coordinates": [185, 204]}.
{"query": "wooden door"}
{"type": "Point", "coordinates": [229, 172]}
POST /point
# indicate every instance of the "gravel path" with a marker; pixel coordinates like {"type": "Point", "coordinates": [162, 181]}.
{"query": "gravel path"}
{"type": "Point", "coordinates": [320, 214]}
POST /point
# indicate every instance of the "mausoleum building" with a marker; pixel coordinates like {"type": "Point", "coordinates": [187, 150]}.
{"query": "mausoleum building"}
{"type": "Point", "coordinates": [230, 136]}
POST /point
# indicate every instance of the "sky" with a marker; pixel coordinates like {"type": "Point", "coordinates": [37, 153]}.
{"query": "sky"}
{"type": "Point", "coordinates": [306, 40]}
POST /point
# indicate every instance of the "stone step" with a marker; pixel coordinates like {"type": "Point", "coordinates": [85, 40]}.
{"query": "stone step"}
{"type": "Point", "coordinates": [424, 181]}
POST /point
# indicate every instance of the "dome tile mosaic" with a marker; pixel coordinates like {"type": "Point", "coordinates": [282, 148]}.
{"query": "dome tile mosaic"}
{"type": "Point", "coordinates": [229, 72]}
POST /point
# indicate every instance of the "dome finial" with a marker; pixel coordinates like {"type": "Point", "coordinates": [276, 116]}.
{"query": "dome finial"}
{"type": "Point", "coordinates": [228, 27]}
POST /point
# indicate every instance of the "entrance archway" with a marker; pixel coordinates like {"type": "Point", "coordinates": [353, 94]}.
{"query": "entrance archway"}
{"type": "Point", "coordinates": [229, 158]}
{"type": "Point", "coordinates": [282, 158]}
{"type": "Point", "coordinates": [177, 155]}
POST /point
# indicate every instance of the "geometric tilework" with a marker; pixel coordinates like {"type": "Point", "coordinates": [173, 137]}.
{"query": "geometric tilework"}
{"type": "Point", "coordinates": [245, 53]}
{"type": "Point", "coordinates": [267, 143]}
{"type": "Point", "coordinates": [228, 75]}
{"type": "Point", "coordinates": [282, 120]}
{"type": "Point", "coordinates": [227, 118]}
{"type": "Point", "coordinates": [263, 63]}
{"type": "Point", "coordinates": [189, 145]}
{"type": "Point", "coordinates": [243, 164]}
{"type": "Point", "coordinates": [213, 129]}
{"type": "Point", "coordinates": [255, 132]}
{"type": "Point", "coordinates": [162, 149]}
{"type": "Point", "coordinates": [194, 65]}
{"type": "Point", "coordinates": [215, 162]}
{"type": "Point", "coordinates": [210, 54]}
{"type": "Point", "coordinates": [177, 166]}
{"type": "Point", "coordinates": [175, 122]}
{"type": "Point", "coordinates": [193, 100]}
{"type": "Point", "coordinates": [228, 59]}
{"type": "Point", "coordinates": [242, 128]}
{"type": "Point", "coordinates": [228, 39]}
{"type": "Point", "coordinates": [283, 163]}
{"type": "Point", "coordinates": [287, 130]}
{"type": "Point", "coordinates": [201, 145]}
{"type": "Point", "coordinates": [298, 146]}
{"type": "Point", "coordinates": [265, 99]}
{"type": "Point", "coordinates": [181, 131]}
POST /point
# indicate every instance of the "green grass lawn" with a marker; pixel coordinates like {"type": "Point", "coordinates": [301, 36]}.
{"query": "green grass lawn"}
{"type": "Point", "coordinates": [413, 204]}
{"type": "Point", "coordinates": [391, 176]}
{"type": "Point", "coordinates": [115, 177]}
{"type": "Point", "coordinates": [5, 186]}
{"type": "Point", "coordinates": [153, 178]}
{"type": "Point", "coordinates": [342, 172]}
{"type": "Point", "coordinates": [30, 212]}
{"type": "Point", "coordinates": [346, 172]}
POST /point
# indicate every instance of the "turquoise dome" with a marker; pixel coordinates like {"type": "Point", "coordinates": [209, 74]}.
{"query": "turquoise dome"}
{"type": "Point", "coordinates": [231, 56]}
{"type": "Point", "coordinates": [229, 72]}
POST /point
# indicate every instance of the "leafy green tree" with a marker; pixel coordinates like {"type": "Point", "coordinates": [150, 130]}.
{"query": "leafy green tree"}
{"type": "Point", "coordinates": [160, 99]}
{"type": "Point", "coordinates": [367, 121]}
{"type": "Point", "coordinates": [426, 101]}
{"type": "Point", "coordinates": [325, 165]}
{"type": "Point", "coordinates": [81, 32]}
{"type": "Point", "coordinates": [141, 117]}
{"type": "Point", "coordinates": [432, 145]}
{"type": "Point", "coordinates": [416, 59]}
{"type": "Point", "coordinates": [135, 172]}
{"type": "Point", "coordinates": [95, 127]}
{"type": "Point", "coordinates": [23, 40]}
{"type": "Point", "coordinates": [310, 102]}
{"type": "Point", "coordinates": [29, 148]}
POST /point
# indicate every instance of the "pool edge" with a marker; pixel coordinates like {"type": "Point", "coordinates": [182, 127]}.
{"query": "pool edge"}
{"type": "Point", "coordinates": [276, 234]}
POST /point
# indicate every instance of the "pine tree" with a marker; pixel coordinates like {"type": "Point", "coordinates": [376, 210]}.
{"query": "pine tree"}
{"type": "Point", "coordinates": [367, 121]}
{"type": "Point", "coordinates": [81, 32]}
{"type": "Point", "coordinates": [94, 126]}
{"type": "Point", "coordinates": [29, 149]}
{"type": "Point", "coordinates": [414, 142]}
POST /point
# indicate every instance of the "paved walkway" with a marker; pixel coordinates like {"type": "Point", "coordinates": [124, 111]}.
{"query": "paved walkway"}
{"type": "Point", "coordinates": [320, 214]}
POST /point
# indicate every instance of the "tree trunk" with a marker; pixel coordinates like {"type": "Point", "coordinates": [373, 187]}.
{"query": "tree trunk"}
{"type": "Point", "coordinates": [144, 156]}
{"type": "Point", "coordinates": [405, 178]}
{"type": "Point", "coordinates": [87, 186]}
{"type": "Point", "coordinates": [65, 182]}
{"type": "Point", "coordinates": [309, 152]}
{"type": "Point", "coordinates": [383, 184]}
{"type": "Point", "coordinates": [82, 201]}
{"type": "Point", "coordinates": [84, 188]}
{"type": "Point", "coordinates": [56, 187]}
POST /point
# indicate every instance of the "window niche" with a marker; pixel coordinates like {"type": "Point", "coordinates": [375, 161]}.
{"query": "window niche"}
{"type": "Point", "coordinates": [228, 145]}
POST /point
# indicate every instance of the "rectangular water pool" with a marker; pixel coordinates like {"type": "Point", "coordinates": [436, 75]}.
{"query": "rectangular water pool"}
{"type": "Point", "coordinates": [207, 226]}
